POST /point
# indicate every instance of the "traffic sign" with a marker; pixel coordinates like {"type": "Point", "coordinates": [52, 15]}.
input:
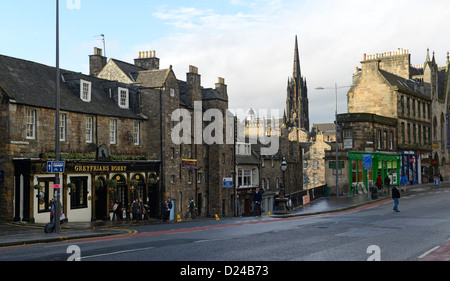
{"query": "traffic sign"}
{"type": "Point", "coordinates": [55, 167]}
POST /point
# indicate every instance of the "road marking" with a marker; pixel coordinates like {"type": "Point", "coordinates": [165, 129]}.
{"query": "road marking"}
{"type": "Point", "coordinates": [116, 253]}
{"type": "Point", "coordinates": [429, 251]}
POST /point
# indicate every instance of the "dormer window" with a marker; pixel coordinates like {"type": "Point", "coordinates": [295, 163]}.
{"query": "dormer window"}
{"type": "Point", "coordinates": [85, 90]}
{"type": "Point", "coordinates": [123, 99]}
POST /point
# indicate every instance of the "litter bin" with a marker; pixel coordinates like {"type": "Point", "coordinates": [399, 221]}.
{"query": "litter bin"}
{"type": "Point", "coordinates": [374, 192]}
{"type": "Point", "coordinates": [327, 191]}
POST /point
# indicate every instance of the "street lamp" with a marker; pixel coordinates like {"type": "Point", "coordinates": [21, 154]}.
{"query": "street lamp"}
{"type": "Point", "coordinates": [336, 127]}
{"type": "Point", "coordinates": [281, 201]}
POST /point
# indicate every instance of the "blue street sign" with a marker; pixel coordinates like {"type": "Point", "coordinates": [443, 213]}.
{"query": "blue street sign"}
{"type": "Point", "coordinates": [227, 182]}
{"type": "Point", "coordinates": [55, 167]}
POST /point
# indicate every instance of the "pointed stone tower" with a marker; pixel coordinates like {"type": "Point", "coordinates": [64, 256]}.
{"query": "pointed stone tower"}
{"type": "Point", "coordinates": [297, 105]}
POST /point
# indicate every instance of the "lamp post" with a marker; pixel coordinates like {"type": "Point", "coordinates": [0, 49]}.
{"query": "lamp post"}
{"type": "Point", "coordinates": [336, 127]}
{"type": "Point", "coordinates": [281, 201]}
{"type": "Point", "coordinates": [283, 169]}
{"type": "Point", "coordinates": [57, 149]}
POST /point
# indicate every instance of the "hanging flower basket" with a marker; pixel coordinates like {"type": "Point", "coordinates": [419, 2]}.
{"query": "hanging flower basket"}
{"type": "Point", "coordinates": [153, 178]}
{"type": "Point", "coordinates": [99, 184]}
{"type": "Point", "coordinates": [37, 186]}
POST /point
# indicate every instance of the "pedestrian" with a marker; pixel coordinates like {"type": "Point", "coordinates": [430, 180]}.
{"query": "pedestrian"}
{"type": "Point", "coordinates": [118, 211]}
{"type": "Point", "coordinates": [192, 208]}
{"type": "Point", "coordinates": [387, 182]}
{"type": "Point", "coordinates": [257, 198]}
{"type": "Point", "coordinates": [164, 208]}
{"type": "Point", "coordinates": [379, 182]}
{"type": "Point", "coordinates": [395, 197]}
{"type": "Point", "coordinates": [169, 206]}
{"type": "Point", "coordinates": [275, 204]}
{"type": "Point", "coordinates": [136, 210]}
{"type": "Point", "coordinates": [403, 181]}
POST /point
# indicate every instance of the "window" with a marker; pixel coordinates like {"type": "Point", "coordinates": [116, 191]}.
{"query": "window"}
{"type": "Point", "coordinates": [78, 193]}
{"type": "Point", "coordinates": [378, 139]}
{"type": "Point", "coordinates": [85, 91]}
{"type": "Point", "coordinates": [137, 133]}
{"type": "Point", "coordinates": [408, 133]}
{"type": "Point", "coordinates": [62, 127]}
{"type": "Point", "coordinates": [112, 131]}
{"type": "Point", "coordinates": [407, 107]}
{"type": "Point", "coordinates": [315, 165]}
{"type": "Point", "coordinates": [89, 127]}
{"type": "Point", "coordinates": [31, 124]}
{"type": "Point", "coordinates": [391, 140]}
{"type": "Point", "coordinates": [348, 138]}
{"type": "Point", "coordinates": [402, 105]}
{"type": "Point", "coordinates": [45, 194]}
{"type": "Point", "coordinates": [315, 179]}
{"type": "Point", "coordinates": [123, 98]}
{"type": "Point", "coordinates": [244, 177]}
{"type": "Point", "coordinates": [403, 132]}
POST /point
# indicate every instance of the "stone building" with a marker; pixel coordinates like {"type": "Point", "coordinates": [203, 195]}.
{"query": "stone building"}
{"type": "Point", "coordinates": [190, 168]}
{"type": "Point", "coordinates": [397, 116]}
{"type": "Point", "coordinates": [116, 139]}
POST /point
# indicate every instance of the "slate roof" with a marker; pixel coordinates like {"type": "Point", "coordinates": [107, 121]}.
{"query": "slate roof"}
{"type": "Point", "coordinates": [211, 94]}
{"type": "Point", "coordinates": [400, 82]}
{"type": "Point", "coordinates": [129, 69]}
{"type": "Point", "coordinates": [33, 84]}
{"type": "Point", "coordinates": [153, 78]}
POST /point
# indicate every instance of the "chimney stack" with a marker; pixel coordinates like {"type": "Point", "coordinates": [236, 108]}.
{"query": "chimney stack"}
{"type": "Point", "coordinates": [147, 60]}
{"type": "Point", "coordinates": [96, 62]}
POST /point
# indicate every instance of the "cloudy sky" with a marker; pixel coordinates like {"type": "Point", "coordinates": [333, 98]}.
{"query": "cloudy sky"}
{"type": "Point", "coordinates": [249, 43]}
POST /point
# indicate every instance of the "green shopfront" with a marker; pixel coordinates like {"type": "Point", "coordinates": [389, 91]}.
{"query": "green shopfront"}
{"type": "Point", "coordinates": [364, 168]}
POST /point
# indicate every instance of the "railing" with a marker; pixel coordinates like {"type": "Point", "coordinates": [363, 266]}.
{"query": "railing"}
{"type": "Point", "coordinates": [314, 193]}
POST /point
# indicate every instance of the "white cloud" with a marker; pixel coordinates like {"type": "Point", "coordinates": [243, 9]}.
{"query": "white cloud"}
{"type": "Point", "coordinates": [253, 49]}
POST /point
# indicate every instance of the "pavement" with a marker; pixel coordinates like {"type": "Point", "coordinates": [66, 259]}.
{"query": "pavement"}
{"type": "Point", "coordinates": [14, 233]}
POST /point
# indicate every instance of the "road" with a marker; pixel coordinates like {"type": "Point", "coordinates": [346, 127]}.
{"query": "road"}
{"type": "Point", "coordinates": [374, 232]}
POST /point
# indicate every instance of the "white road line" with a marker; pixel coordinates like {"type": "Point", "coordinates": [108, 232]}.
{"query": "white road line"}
{"type": "Point", "coordinates": [115, 253]}
{"type": "Point", "coordinates": [427, 252]}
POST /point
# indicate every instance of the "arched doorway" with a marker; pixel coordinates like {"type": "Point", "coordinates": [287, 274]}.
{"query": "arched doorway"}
{"type": "Point", "coordinates": [101, 206]}
{"type": "Point", "coordinates": [119, 191]}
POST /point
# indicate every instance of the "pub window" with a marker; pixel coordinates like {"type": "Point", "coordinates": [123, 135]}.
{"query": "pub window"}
{"type": "Point", "coordinates": [31, 124]}
{"type": "Point", "coordinates": [45, 194]}
{"type": "Point", "coordinates": [78, 192]}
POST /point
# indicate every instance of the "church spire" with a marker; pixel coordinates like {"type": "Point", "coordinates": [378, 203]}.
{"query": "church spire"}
{"type": "Point", "coordinates": [296, 72]}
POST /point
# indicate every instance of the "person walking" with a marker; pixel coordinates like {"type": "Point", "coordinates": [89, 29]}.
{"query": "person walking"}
{"type": "Point", "coordinates": [403, 181]}
{"type": "Point", "coordinates": [387, 183]}
{"type": "Point", "coordinates": [395, 197]}
{"type": "Point", "coordinates": [379, 182]}
{"type": "Point", "coordinates": [257, 198]}
{"type": "Point", "coordinates": [164, 210]}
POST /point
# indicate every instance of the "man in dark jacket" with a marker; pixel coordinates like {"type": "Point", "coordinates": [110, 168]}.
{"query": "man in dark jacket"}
{"type": "Point", "coordinates": [257, 198]}
{"type": "Point", "coordinates": [395, 197]}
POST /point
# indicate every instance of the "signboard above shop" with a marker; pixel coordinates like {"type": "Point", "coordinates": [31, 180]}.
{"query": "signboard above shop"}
{"type": "Point", "coordinates": [189, 164]}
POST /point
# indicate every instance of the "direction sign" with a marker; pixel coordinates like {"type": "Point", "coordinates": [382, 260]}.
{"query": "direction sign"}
{"type": "Point", "coordinates": [227, 182]}
{"type": "Point", "coordinates": [55, 167]}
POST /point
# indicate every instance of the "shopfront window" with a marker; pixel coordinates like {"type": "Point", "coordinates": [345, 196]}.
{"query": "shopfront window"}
{"type": "Point", "coordinates": [78, 192]}
{"type": "Point", "coordinates": [45, 194]}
